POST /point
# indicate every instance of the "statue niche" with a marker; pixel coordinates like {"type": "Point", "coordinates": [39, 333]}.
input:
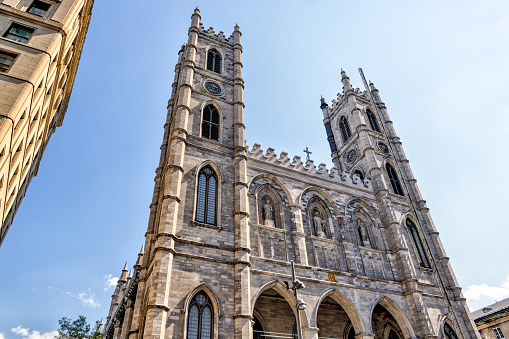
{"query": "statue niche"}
{"type": "Point", "coordinates": [363, 234]}
{"type": "Point", "coordinates": [319, 223]}
{"type": "Point", "coordinates": [268, 212]}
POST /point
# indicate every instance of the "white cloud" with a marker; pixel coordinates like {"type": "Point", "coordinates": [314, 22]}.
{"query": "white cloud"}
{"type": "Point", "coordinates": [2, 336]}
{"type": "Point", "coordinates": [476, 292]}
{"type": "Point", "coordinates": [88, 299]}
{"type": "Point", "coordinates": [20, 330]}
{"type": "Point", "coordinates": [110, 282]}
{"type": "Point", "coordinates": [26, 334]}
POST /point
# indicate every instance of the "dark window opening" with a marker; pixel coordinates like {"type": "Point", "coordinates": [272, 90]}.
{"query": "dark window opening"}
{"type": "Point", "coordinates": [214, 61]}
{"type": "Point", "coordinates": [372, 121]}
{"type": "Point", "coordinates": [210, 123]}
{"type": "Point", "coordinates": [19, 33]}
{"type": "Point", "coordinates": [6, 60]}
{"type": "Point", "coordinates": [330, 137]}
{"type": "Point", "coordinates": [38, 8]}
{"type": "Point", "coordinates": [206, 196]}
{"type": "Point", "coordinates": [345, 129]}
{"type": "Point", "coordinates": [416, 239]}
{"type": "Point", "coordinates": [361, 176]}
{"type": "Point", "coordinates": [393, 176]}
{"type": "Point", "coordinates": [449, 332]}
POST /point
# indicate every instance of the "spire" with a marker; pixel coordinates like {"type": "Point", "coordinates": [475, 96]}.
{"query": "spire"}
{"type": "Point", "coordinates": [372, 86]}
{"type": "Point", "coordinates": [323, 104]}
{"type": "Point", "coordinates": [346, 82]}
{"type": "Point", "coordinates": [130, 275]}
{"type": "Point", "coordinates": [197, 11]}
{"type": "Point", "coordinates": [140, 255]}
{"type": "Point", "coordinates": [123, 276]}
{"type": "Point", "coordinates": [142, 249]}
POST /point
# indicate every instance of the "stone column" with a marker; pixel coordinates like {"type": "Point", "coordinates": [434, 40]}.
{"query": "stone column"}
{"type": "Point", "coordinates": [242, 287]}
{"type": "Point", "coordinates": [310, 332]}
{"type": "Point", "coordinates": [118, 329]}
{"type": "Point", "coordinates": [172, 173]}
{"type": "Point", "coordinates": [128, 317]}
{"type": "Point", "coordinates": [299, 237]}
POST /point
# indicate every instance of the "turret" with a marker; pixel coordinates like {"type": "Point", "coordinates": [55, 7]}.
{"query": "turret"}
{"type": "Point", "coordinates": [346, 82]}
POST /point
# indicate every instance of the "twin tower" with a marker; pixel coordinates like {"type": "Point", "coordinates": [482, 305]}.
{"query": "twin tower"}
{"type": "Point", "coordinates": [226, 221]}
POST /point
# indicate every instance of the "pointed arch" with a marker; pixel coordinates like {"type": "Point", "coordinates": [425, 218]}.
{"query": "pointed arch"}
{"type": "Point", "coordinates": [197, 193]}
{"type": "Point", "coordinates": [214, 60]}
{"type": "Point", "coordinates": [346, 304]}
{"type": "Point", "coordinates": [373, 121]}
{"type": "Point", "coordinates": [370, 211]}
{"type": "Point", "coordinates": [344, 128]}
{"type": "Point", "coordinates": [394, 178]}
{"type": "Point", "coordinates": [214, 302]}
{"type": "Point", "coordinates": [280, 288]}
{"type": "Point", "coordinates": [396, 312]}
{"type": "Point", "coordinates": [275, 180]}
{"type": "Point", "coordinates": [322, 194]}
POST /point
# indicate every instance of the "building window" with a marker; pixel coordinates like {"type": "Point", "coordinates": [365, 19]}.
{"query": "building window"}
{"type": "Point", "coordinates": [345, 129]}
{"type": "Point", "coordinates": [199, 320]}
{"type": "Point", "coordinates": [416, 239]}
{"type": "Point", "coordinates": [449, 332]}
{"type": "Point", "coordinates": [372, 121]}
{"type": "Point", "coordinates": [210, 123]}
{"type": "Point", "coordinates": [393, 176]}
{"type": "Point", "coordinates": [361, 176]}
{"type": "Point", "coordinates": [330, 137]}
{"type": "Point", "coordinates": [206, 196]}
{"type": "Point", "coordinates": [38, 8]}
{"type": "Point", "coordinates": [6, 60]}
{"type": "Point", "coordinates": [498, 333]}
{"type": "Point", "coordinates": [214, 61]}
{"type": "Point", "coordinates": [19, 33]}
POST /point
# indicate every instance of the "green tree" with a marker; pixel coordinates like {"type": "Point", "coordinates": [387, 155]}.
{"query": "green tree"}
{"type": "Point", "coordinates": [77, 329]}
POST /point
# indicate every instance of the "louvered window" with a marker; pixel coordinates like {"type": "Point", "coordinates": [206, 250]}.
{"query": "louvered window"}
{"type": "Point", "coordinates": [210, 123]}
{"type": "Point", "coordinates": [393, 176]}
{"type": "Point", "coordinates": [419, 248]}
{"type": "Point", "coordinates": [372, 121]}
{"type": "Point", "coordinates": [199, 320]}
{"type": "Point", "coordinates": [498, 333]}
{"type": "Point", "coordinates": [214, 61]}
{"type": "Point", "coordinates": [330, 137]}
{"type": "Point", "coordinates": [206, 196]}
{"type": "Point", "coordinates": [345, 129]}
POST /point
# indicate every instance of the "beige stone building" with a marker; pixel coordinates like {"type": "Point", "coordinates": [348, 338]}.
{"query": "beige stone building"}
{"type": "Point", "coordinates": [40, 48]}
{"type": "Point", "coordinates": [227, 220]}
{"type": "Point", "coordinates": [493, 321]}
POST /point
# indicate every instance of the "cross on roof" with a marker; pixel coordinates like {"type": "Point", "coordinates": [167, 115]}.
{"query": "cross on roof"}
{"type": "Point", "coordinates": [307, 154]}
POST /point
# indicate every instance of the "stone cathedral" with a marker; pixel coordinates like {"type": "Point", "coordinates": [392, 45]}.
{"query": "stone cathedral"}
{"type": "Point", "coordinates": [228, 222]}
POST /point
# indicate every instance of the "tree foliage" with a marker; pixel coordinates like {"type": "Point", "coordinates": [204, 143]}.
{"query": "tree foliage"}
{"type": "Point", "coordinates": [77, 329]}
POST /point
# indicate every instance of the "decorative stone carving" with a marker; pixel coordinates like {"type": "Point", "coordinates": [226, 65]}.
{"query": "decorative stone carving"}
{"type": "Point", "coordinates": [268, 213]}
{"type": "Point", "coordinates": [364, 234]}
{"type": "Point", "coordinates": [319, 224]}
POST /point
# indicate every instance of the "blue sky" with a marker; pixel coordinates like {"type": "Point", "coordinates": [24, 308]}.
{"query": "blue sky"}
{"type": "Point", "coordinates": [441, 68]}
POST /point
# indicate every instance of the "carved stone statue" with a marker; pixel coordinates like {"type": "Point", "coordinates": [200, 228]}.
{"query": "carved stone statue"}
{"type": "Point", "coordinates": [319, 225]}
{"type": "Point", "coordinates": [364, 234]}
{"type": "Point", "coordinates": [268, 213]}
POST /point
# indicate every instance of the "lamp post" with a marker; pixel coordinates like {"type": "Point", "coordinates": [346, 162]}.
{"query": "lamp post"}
{"type": "Point", "coordinates": [299, 303]}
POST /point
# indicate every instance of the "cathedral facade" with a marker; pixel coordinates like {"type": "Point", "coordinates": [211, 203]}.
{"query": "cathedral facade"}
{"type": "Point", "coordinates": [246, 243]}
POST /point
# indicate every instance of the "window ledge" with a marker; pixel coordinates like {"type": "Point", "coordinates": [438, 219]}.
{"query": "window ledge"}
{"type": "Point", "coordinates": [214, 227]}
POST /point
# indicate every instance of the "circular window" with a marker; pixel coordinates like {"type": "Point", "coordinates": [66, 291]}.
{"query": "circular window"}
{"type": "Point", "coordinates": [383, 147]}
{"type": "Point", "coordinates": [351, 156]}
{"type": "Point", "coordinates": [213, 88]}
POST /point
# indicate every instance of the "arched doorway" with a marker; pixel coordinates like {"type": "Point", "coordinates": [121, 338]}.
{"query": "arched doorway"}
{"type": "Point", "coordinates": [384, 325]}
{"type": "Point", "coordinates": [273, 317]}
{"type": "Point", "coordinates": [333, 321]}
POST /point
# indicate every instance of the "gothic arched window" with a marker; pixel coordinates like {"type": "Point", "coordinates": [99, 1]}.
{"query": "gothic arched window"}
{"type": "Point", "coordinates": [345, 129]}
{"type": "Point", "coordinates": [372, 121]}
{"type": "Point", "coordinates": [206, 196]}
{"type": "Point", "coordinates": [210, 123]}
{"type": "Point", "coordinates": [200, 317]}
{"type": "Point", "coordinates": [416, 239]}
{"type": "Point", "coordinates": [214, 61]}
{"type": "Point", "coordinates": [449, 332]}
{"type": "Point", "coordinates": [393, 176]}
{"type": "Point", "coordinates": [361, 176]}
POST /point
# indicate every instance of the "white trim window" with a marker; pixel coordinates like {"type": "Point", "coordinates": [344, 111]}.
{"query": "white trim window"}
{"type": "Point", "coordinates": [498, 333]}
